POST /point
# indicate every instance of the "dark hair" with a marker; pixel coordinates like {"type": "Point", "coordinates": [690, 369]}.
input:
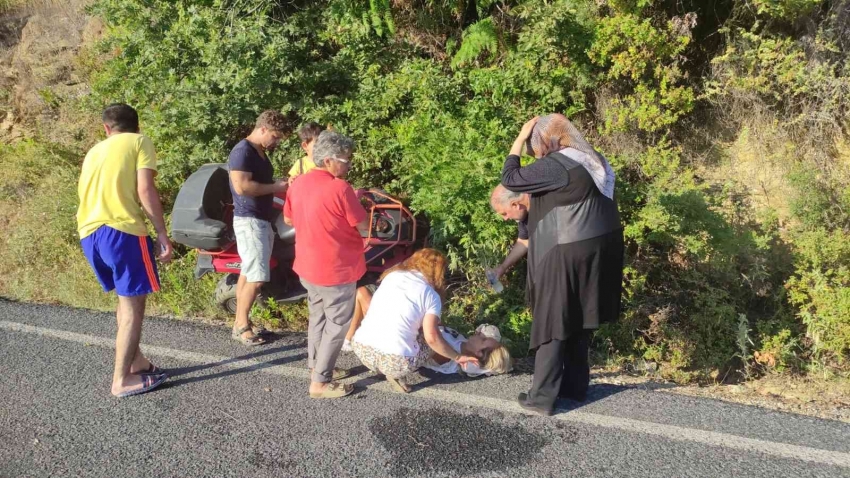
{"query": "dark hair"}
{"type": "Point", "coordinates": [275, 121]}
{"type": "Point", "coordinates": [310, 131]}
{"type": "Point", "coordinates": [121, 118]}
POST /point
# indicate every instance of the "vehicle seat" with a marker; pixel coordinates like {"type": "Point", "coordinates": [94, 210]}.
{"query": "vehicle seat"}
{"type": "Point", "coordinates": [199, 215]}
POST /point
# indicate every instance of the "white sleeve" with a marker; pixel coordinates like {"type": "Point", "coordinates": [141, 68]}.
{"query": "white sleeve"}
{"type": "Point", "coordinates": [474, 370]}
{"type": "Point", "coordinates": [433, 304]}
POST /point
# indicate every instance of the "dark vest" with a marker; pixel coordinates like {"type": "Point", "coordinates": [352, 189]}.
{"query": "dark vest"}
{"type": "Point", "coordinates": [576, 212]}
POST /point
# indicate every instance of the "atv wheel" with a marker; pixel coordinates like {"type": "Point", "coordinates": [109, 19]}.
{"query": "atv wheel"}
{"type": "Point", "coordinates": [225, 293]}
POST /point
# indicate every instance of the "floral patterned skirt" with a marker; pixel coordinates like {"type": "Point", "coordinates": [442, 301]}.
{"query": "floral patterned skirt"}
{"type": "Point", "coordinates": [392, 365]}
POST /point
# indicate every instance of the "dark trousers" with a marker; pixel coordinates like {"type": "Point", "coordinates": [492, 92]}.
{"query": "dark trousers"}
{"type": "Point", "coordinates": [561, 369]}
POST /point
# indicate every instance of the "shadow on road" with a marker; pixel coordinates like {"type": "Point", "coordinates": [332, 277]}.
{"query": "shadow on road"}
{"type": "Point", "coordinates": [249, 367]}
{"type": "Point", "coordinates": [596, 392]}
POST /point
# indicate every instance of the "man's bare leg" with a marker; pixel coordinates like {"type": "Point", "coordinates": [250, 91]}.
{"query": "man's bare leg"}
{"type": "Point", "coordinates": [246, 294]}
{"type": "Point", "coordinates": [131, 312]}
{"type": "Point", "coordinates": [140, 362]}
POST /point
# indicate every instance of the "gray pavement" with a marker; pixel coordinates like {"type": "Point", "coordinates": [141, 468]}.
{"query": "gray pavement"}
{"type": "Point", "coordinates": [233, 411]}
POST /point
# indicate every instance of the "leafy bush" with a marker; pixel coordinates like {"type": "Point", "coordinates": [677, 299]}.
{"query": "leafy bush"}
{"type": "Point", "coordinates": [643, 60]}
{"type": "Point", "coordinates": [821, 289]}
{"type": "Point", "coordinates": [788, 10]}
{"type": "Point", "coordinates": [434, 92]}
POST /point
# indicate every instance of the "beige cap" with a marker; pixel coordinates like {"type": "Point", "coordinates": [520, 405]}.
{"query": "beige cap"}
{"type": "Point", "coordinates": [490, 331]}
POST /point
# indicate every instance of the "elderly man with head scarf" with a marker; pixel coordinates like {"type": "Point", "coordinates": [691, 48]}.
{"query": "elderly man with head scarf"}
{"type": "Point", "coordinates": [569, 221]}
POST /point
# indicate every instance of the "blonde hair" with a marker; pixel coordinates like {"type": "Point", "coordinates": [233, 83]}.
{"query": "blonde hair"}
{"type": "Point", "coordinates": [498, 361]}
{"type": "Point", "coordinates": [431, 263]}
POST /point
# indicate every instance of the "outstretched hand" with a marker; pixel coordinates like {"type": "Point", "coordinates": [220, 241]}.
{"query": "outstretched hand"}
{"type": "Point", "coordinates": [464, 359]}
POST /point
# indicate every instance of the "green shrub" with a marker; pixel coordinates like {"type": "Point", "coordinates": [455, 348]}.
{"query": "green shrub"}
{"type": "Point", "coordinates": [434, 93]}
{"type": "Point", "coordinates": [181, 295]}
{"type": "Point", "coordinates": [779, 352]}
{"type": "Point", "coordinates": [789, 10]}
{"type": "Point", "coordinates": [820, 288]}
{"type": "Point", "coordinates": [641, 62]}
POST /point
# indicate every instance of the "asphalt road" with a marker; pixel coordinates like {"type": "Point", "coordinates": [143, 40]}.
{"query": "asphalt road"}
{"type": "Point", "coordinates": [233, 411]}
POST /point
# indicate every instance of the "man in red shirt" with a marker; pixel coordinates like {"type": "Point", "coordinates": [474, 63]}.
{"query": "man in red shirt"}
{"type": "Point", "coordinates": [327, 216]}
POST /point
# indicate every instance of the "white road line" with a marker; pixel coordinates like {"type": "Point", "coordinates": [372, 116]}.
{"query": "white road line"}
{"type": "Point", "coordinates": [670, 432]}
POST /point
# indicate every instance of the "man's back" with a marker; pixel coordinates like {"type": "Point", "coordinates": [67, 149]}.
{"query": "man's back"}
{"type": "Point", "coordinates": [108, 185]}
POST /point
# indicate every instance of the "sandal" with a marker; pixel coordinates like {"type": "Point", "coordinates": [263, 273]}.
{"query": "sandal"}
{"type": "Point", "coordinates": [260, 330]}
{"type": "Point", "coordinates": [338, 373]}
{"type": "Point", "coordinates": [149, 382]}
{"type": "Point", "coordinates": [398, 385]}
{"type": "Point", "coordinates": [152, 370]}
{"type": "Point", "coordinates": [250, 341]}
{"type": "Point", "coordinates": [334, 390]}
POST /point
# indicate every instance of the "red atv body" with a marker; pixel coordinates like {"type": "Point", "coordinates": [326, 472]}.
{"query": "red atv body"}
{"type": "Point", "coordinates": [202, 218]}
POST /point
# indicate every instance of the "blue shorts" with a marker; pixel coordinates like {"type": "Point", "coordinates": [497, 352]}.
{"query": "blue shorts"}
{"type": "Point", "coordinates": [122, 261]}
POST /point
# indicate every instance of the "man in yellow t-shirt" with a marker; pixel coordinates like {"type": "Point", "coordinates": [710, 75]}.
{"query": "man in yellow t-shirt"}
{"type": "Point", "coordinates": [117, 191]}
{"type": "Point", "coordinates": [307, 134]}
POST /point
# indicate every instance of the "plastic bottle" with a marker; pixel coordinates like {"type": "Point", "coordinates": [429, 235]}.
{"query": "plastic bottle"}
{"type": "Point", "coordinates": [494, 281]}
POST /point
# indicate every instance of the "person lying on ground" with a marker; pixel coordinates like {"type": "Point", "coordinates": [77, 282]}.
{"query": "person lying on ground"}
{"type": "Point", "coordinates": [485, 344]}
{"type": "Point", "coordinates": [400, 331]}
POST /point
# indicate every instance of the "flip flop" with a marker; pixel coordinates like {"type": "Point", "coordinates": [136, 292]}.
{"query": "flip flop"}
{"type": "Point", "coordinates": [249, 341]}
{"type": "Point", "coordinates": [149, 382]}
{"type": "Point", "coordinates": [334, 390]}
{"type": "Point", "coordinates": [398, 385]}
{"type": "Point", "coordinates": [338, 373]}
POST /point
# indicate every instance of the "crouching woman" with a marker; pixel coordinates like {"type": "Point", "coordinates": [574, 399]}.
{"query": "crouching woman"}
{"type": "Point", "coordinates": [401, 328]}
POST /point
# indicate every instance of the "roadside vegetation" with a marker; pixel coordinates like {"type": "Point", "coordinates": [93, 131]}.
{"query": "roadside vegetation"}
{"type": "Point", "coordinates": [726, 121]}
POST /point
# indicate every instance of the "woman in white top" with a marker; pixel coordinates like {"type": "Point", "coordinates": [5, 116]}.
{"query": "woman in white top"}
{"type": "Point", "coordinates": [401, 328]}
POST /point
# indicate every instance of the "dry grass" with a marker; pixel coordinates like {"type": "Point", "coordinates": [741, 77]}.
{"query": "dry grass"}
{"type": "Point", "coordinates": [30, 7]}
{"type": "Point", "coordinates": [758, 147]}
{"type": "Point", "coordinates": [70, 11]}
{"type": "Point", "coordinates": [40, 248]}
{"type": "Point", "coordinates": [758, 159]}
{"type": "Point", "coordinates": [43, 260]}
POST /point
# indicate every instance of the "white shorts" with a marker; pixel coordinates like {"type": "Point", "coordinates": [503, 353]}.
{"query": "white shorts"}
{"type": "Point", "coordinates": [254, 241]}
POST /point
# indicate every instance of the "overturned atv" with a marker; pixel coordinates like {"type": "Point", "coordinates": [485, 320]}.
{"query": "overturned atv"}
{"type": "Point", "coordinates": [202, 218]}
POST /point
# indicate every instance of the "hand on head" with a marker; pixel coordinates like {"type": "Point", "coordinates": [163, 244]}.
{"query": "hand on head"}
{"type": "Point", "coordinates": [527, 128]}
{"type": "Point", "coordinates": [524, 134]}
